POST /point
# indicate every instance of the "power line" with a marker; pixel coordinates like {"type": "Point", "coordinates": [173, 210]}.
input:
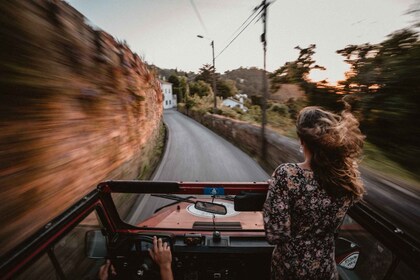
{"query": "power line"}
{"type": "Point", "coordinates": [199, 16]}
{"type": "Point", "coordinates": [239, 33]}
{"type": "Point", "coordinates": [255, 10]}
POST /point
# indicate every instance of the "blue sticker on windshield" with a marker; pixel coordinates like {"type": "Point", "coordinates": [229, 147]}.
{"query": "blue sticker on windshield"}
{"type": "Point", "coordinates": [214, 190]}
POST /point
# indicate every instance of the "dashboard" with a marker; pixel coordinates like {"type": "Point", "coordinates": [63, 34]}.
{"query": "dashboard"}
{"type": "Point", "coordinates": [194, 256]}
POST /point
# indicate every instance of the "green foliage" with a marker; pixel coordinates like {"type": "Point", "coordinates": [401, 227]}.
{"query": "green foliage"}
{"type": "Point", "coordinates": [179, 85]}
{"type": "Point", "coordinates": [294, 107]}
{"type": "Point", "coordinates": [248, 80]}
{"type": "Point", "coordinates": [277, 120]}
{"type": "Point", "coordinates": [255, 112]}
{"type": "Point", "coordinates": [199, 88]}
{"type": "Point", "coordinates": [238, 110]}
{"type": "Point", "coordinates": [363, 73]}
{"type": "Point", "coordinates": [226, 88]}
{"type": "Point", "coordinates": [182, 87]}
{"type": "Point", "coordinates": [296, 72]}
{"type": "Point", "coordinates": [181, 107]}
{"type": "Point", "coordinates": [165, 73]}
{"type": "Point", "coordinates": [280, 109]}
{"type": "Point", "coordinates": [203, 104]}
{"type": "Point", "coordinates": [257, 100]}
{"type": "Point", "coordinates": [326, 99]}
{"type": "Point", "coordinates": [189, 103]}
{"type": "Point", "coordinates": [385, 77]}
{"type": "Point", "coordinates": [205, 74]}
{"type": "Point", "coordinates": [229, 112]}
{"type": "Point", "coordinates": [247, 102]}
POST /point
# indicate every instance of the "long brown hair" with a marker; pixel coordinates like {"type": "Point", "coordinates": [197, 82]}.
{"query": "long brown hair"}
{"type": "Point", "coordinates": [336, 144]}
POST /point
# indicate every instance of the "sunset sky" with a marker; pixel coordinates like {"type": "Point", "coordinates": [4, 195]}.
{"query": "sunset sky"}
{"type": "Point", "coordinates": [164, 32]}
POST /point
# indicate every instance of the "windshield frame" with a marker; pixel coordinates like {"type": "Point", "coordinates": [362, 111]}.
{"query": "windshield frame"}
{"type": "Point", "coordinates": [216, 189]}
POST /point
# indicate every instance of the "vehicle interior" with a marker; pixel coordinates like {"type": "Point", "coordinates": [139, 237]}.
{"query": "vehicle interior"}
{"type": "Point", "coordinates": [215, 231]}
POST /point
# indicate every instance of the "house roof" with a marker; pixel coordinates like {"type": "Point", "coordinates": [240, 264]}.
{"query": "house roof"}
{"type": "Point", "coordinates": [234, 100]}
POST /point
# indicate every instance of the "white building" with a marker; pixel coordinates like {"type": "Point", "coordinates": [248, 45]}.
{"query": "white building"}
{"type": "Point", "coordinates": [169, 99]}
{"type": "Point", "coordinates": [239, 102]}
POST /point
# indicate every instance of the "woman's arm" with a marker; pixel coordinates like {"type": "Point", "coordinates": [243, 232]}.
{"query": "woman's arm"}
{"type": "Point", "coordinates": [276, 210]}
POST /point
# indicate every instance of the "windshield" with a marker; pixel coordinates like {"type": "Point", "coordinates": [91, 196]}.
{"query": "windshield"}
{"type": "Point", "coordinates": [188, 212]}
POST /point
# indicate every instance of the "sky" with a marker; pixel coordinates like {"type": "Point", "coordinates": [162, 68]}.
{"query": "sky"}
{"type": "Point", "coordinates": [164, 32]}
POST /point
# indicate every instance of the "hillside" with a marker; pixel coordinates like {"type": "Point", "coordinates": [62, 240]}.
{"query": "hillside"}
{"type": "Point", "coordinates": [248, 80]}
{"type": "Point", "coordinates": [166, 73]}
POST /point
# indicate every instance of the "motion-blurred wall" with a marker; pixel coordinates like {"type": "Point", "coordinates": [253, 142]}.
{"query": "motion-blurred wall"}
{"type": "Point", "coordinates": [77, 107]}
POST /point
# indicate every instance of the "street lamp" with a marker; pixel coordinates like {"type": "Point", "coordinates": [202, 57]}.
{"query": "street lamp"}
{"type": "Point", "coordinates": [214, 73]}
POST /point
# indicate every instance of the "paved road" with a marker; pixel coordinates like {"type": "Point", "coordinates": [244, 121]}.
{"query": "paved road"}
{"type": "Point", "coordinates": [396, 203]}
{"type": "Point", "coordinates": [195, 153]}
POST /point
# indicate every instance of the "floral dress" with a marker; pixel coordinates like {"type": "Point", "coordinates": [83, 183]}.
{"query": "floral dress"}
{"type": "Point", "coordinates": [300, 218]}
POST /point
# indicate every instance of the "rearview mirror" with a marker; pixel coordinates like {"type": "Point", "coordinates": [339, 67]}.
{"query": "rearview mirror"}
{"type": "Point", "coordinates": [95, 244]}
{"type": "Point", "coordinates": [211, 207]}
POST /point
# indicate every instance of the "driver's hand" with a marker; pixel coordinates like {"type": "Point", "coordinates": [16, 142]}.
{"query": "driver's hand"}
{"type": "Point", "coordinates": [104, 270]}
{"type": "Point", "coordinates": [161, 253]}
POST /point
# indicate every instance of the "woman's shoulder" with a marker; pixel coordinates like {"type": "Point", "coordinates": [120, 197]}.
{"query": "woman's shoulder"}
{"type": "Point", "coordinates": [286, 169]}
{"type": "Point", "coordinates": [286, 176]}
{"type": "Point", "coordinates": [288, 166]}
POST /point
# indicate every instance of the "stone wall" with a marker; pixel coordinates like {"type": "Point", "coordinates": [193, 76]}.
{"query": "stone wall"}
{"type": "Point", "coordinates": [77, 107]}
{"type": "Point", "coordinates": [248, 137]}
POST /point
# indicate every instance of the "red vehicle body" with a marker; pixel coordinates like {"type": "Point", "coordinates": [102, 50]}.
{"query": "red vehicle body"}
{"type": "Point", "coordinates": [204, 244]}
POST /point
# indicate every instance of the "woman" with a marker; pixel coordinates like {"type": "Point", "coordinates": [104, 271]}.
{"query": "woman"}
{"type": "Point", "coordinates": [307, 202]}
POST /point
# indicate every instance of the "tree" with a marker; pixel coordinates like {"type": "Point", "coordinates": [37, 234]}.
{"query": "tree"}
{"type": "Point", "coordinates": [363, 73]}
{"type": "Point", "coordinates": [385, 76]}
{"type": "Point", "coordinates": [183, 87]}
{"type": "Point", "coordinates": [297, 71]}
{"type": "Point", "coordinates": [205, 74]}
{"type": "Point", "coordinates": [248, 80]}
{"type": "Point", "coordinates": [226, 88]}
{"type": "Point", "coordinates": [199, 88]}
{"type": "Point", "coordinates": [179, 85]}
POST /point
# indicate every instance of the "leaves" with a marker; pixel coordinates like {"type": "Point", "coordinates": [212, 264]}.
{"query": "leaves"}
{"type": "Point", "coordinates": [297, 71]}
{"type": "Point", "coordinates": [199, 88]}
{"type": "Point", "coordinates": [386, 77]}
{"type": "Point", "coordinates": [205, 74]}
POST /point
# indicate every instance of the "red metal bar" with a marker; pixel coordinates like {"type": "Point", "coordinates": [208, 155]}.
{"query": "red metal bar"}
{"type": "Point", "coordinates": [48, 242]}
{"type": "Point", "coordinates": [229, 188]}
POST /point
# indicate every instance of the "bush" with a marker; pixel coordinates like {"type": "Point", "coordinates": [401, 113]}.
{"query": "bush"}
{"type": "Point", "coordinates": [295, 106]}
{"type": "Point", "coordinates": [190, 103]}
{"type": "Point", "coordinates": [281, 109]}
{"type": "Point", "coordinates": [276, 120]}
{"type": "Point", "coordinates": [228, 112]}
{"type": "Point", "coordinates": [238, 110]}
{"type": "Point", "coordinates": [254, 113]}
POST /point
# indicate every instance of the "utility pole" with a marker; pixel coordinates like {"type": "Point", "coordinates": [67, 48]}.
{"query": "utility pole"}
{"type": "Point", "coordinates": [214, 74]}
{"type": "Point", "coordinates": [214, 80]}
{"type": "Point", "coordinates": [264, 6]}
